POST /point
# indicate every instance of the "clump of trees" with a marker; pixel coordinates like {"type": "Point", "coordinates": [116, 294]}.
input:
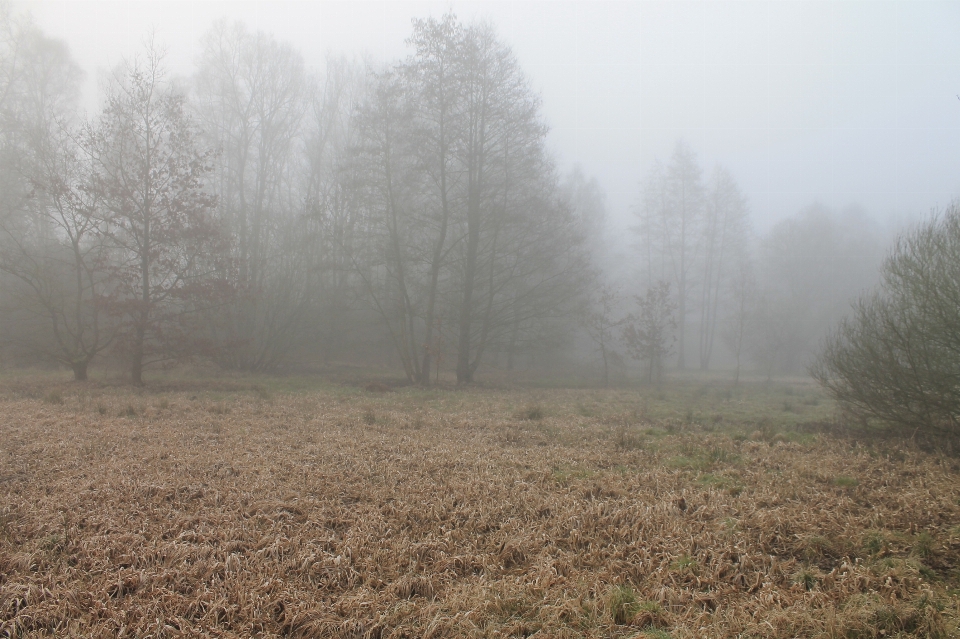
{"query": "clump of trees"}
{"type": "Point", "coordinates": [263, 216]}
{"type": "Point", "coordinates": [461, 208]}
{"type": "Point", "coordinates": [691, 235]}
{"type": "Point", "coordinates": [897, 358]}
{"type": "Point", "coordinates": [767, 300]}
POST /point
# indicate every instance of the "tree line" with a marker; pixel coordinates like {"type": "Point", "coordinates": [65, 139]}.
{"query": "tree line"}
{"type": "Point", "coordinates": [256, 215]}
{"type": "Point", "coordinates": [260, 216]}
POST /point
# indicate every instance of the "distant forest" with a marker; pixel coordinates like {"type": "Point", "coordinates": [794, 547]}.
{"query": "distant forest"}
{"type": "Point", "coordinates": [259, 217]}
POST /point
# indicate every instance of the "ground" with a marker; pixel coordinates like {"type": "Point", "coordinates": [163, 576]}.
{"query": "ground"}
{"type": "Point", "coordinates": [304, 508]}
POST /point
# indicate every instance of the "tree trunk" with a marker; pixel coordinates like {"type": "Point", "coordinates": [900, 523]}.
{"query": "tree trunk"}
{"type": "Point", "coordinates": [435, 270]}
{"type": "Point", "coordinates": [80, 370]}
{"type": "Point", "coordinates": [682, 325]}
{"type": "Point", "coordinates": [464, 370]}
{"type": "Point", "coordinates": [140, 332]}
{"type": "Point", "coordinates": [606, 374]}
{"type": "Point", "coordinates": [136, 368]}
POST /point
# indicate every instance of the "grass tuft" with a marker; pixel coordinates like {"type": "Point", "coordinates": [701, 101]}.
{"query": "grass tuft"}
{"type": "Point", "coordinates": [530, 413]}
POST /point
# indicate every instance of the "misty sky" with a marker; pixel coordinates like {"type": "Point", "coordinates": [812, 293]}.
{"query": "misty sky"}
{"type": "Point", "coordinates": [831, 102]}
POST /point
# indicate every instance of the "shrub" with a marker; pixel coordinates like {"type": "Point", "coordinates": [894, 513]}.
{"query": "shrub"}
{"type": "Point", "coordinates": [897, 358]}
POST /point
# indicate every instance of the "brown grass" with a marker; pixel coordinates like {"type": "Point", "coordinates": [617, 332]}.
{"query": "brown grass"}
{"type": "Point", "coordinates": [452, 514]}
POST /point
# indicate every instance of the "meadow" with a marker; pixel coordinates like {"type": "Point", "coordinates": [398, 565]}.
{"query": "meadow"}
{"type": "Point", "coordinates": [299, 507]}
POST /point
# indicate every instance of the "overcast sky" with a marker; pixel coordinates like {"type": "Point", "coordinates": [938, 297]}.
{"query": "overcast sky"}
{"type": "Point", "coordinates": [832, 102]}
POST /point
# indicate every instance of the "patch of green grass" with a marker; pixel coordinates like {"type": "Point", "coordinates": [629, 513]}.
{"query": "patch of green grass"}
{"type": "Point", "coordinates": [564, 476]}
{"type": "Point", "coordinates": [530, 413]}
{"type": "Point", "coordinates": [700, 459]}
{"type": "Point", "coordinates": [923, 543]}
{"type": "Point", "coordinates": [875, 543]}
{"type": "Point", "coordinates": [720, 482]}
{"type": "Point", "coordinates": [818, 547]}
{"type": "Point", "coordinates": [626, 439]}
{"type": "Point", "coordinates": [843, 481]}
{"type": "Point", "coordinates": [53, 543]}
{"type": "Point", "coordinates": [622, 604]}
{"type": "Point", "coordinates": [806, 578]}
{"type": "Point", "coordinates": [262, 393]}
{"type": "Point", "coordinates": [684, 562]}
{"type": "Point", "coordinates": [685, 463]}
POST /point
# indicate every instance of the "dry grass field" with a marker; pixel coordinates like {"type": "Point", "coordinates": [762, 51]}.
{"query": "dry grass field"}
{"type": "Point", "coordinates": [232, 510]}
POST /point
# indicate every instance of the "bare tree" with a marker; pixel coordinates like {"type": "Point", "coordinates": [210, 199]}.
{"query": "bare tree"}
{"type": "Point", "coordinates": [435, 75]}
{"type": "Point", "coordinates": [149, 172]}
{"type": "Point", "coordinates": [253, 93]}
{"type": "Point", "coordinates": [587, 202]}
{"type": "Point", "coordinates": [465, 222]}
{"type": "Point", "coordinates": [61, 259]}
{"type": "Point", "coordinates": [600, 323]}
{"type": "Point", "coordinates": [649, 333]}
{"type": "Point", "coordinates": [671, 227]}
{"type": "Point", "coordinates": [50, 235]}
{"type": "Point", "coordinates": [725, 237]}
{"type": "Point", "coordinates": [330, 179]}
{"type": "Point", "coordinates": [393, 237]}
{"type": "Point", "coordinates": [742, 300]}
{"type": "Point", "coordinates": [511, 221]}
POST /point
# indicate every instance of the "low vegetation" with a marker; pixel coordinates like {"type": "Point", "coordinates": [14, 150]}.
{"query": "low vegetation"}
{"type": "Point", "coordinates": [315, 510]}
{"type": "Point", "coordinates": [894, 361]}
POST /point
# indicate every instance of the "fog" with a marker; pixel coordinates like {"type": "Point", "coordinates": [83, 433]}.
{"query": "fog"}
{"type": "Point", "coordinates": [654, 186]}
{"type": "Point", "coordinates": [830, 102]}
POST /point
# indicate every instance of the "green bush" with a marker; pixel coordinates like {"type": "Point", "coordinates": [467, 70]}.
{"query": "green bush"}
{"type": "Point", "coordinates": [897, 358]}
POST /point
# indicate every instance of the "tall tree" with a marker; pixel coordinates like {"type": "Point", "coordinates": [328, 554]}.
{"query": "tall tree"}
{"type": "Point", "coordinates": [465, 205]}
{"type": "Point", "coordinates": [742, 298]}
{"type": "Point", "coordinates": [60, 259]}
{"type": "Point", "coordinates": [393, 237]}
{"type": "Point", "coordinates": [49, 238]}
{"type": "Point", "coordinates": [149, 171]}
{"type": "Point", "coordinates": [724, 239]}
{"type": "Point", "coordinates": [332, 211]}
{"type": "Point", "coordinates": [671, 228]}
{"type": "Point", "coordinates": [434, 73]}
{"type": "Point", "coordinates": [253, 93]}
{"type": "Point", "coordinates": [505, 168]}
{"type": "Point", "coordinates": [600, 322]}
